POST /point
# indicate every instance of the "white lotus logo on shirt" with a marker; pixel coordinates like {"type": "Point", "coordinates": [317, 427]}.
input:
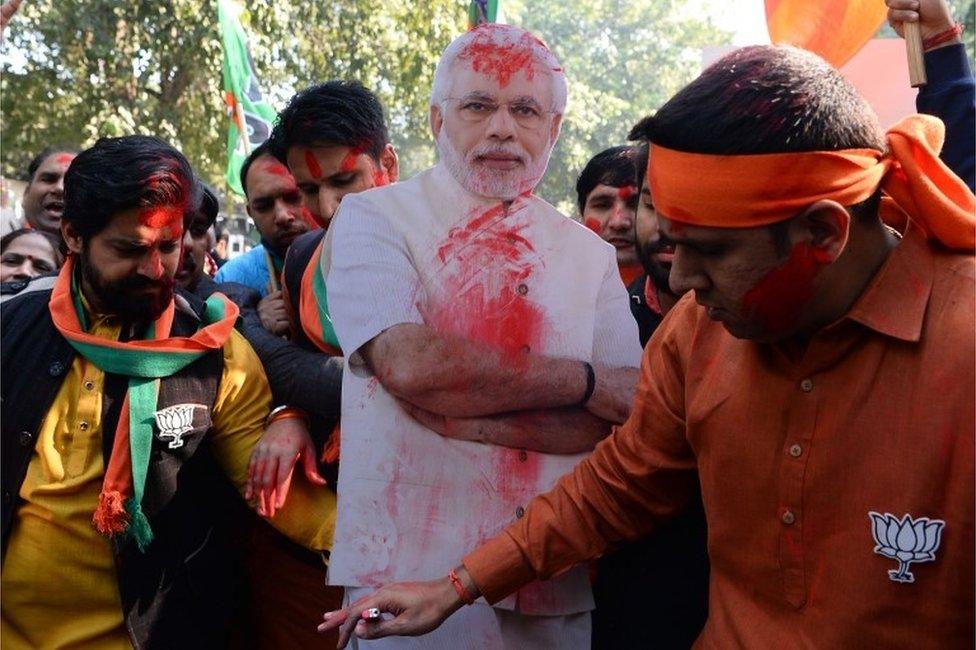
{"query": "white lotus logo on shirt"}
{"type": "Point", "coordinates": [174, 421]}
{"type": "Point", "coordinates": [907, 540]}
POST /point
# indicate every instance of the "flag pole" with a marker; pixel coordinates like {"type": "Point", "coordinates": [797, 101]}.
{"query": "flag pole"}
{"type": "Point", "coordinates": [916, 62]}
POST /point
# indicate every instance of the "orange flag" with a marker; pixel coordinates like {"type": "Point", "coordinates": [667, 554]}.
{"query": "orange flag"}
{"type": "Point", "coordinates": [834, 29]}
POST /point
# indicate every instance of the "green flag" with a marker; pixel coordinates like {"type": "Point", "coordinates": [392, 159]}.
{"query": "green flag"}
{"type": "Point", "coordinates": [482, 11]}
{"type": "Point", "coordinates": [245, 104]}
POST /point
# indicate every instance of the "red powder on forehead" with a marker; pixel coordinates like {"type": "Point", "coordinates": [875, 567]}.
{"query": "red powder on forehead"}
{"type": "Point", "coordinates": [310, 218]}
{"type": "Point", "coordinates": [502, 61]}
{"type": "Point", "coordinates": [64, 158]}
{"type": "Point", "coordinates": [626, 192]}
{"type": "Point", "coordinates": [313, 165]}
{"type": "Point", "coordinates": [778, 297]}
{"type": "Point", "coordinates": [161, 216]}
{"type": "Point", "coordinates": [348, 163]}
{"type": "Point", "coordinates": [272, 166]}
{"type": "Point", "coordinates": [593, 225]}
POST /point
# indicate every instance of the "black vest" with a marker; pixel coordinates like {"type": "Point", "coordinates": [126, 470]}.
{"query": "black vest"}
{"type": "Point", "coordinates": [185, 589]}
{"type": "Point", "coordinates": [296, 261]}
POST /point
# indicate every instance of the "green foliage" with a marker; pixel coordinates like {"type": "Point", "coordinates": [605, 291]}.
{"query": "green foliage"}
{"type": "Point", "coordinates": [78, 69]}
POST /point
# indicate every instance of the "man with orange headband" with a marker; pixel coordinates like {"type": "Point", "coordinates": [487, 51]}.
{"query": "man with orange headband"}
{"type": "Point", "coordinates": [130, 409]}
{"type": "Point", "coordinates": [816, 381]}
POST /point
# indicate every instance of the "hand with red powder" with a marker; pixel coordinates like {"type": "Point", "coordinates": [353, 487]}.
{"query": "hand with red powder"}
{"type": "Point", "coordinates": [273, 462]}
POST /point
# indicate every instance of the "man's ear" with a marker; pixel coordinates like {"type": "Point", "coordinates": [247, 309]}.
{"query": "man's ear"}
{"type": "Point", "coordinates": [71, 237]}
{"type": "Point", "coordinates": [436, 120]}
{"type": "Point", "coordinates": [557, 122]}
{"type": "Point", "coordinates": [826, 226]}
{"type": "Point", "coordinates": [390, 163]}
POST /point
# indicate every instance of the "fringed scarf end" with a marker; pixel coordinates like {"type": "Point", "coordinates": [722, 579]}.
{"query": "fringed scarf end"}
{"type": "Point", "coordinates": [110, 517]}
{"type": "Point", "coordinates": [139, 529]}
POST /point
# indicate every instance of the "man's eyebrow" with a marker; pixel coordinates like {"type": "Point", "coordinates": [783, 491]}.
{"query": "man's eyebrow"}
{"type": "Point", "coordinates": [526, 99]}
{"type": "Point", "coordinates": [477, 94]}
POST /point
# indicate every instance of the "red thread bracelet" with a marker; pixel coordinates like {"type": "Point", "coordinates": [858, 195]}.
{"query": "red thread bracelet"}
{"type": "Point", "coordinates": [459, 588]}
{"type": "Point", "coordinates": [943, 37]}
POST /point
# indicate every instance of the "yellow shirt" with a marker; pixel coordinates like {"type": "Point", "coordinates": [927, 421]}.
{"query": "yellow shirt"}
{"type": "Point", "coordinates": [58, 587]}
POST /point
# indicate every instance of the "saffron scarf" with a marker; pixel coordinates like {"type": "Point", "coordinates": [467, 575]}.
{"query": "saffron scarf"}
{"type": "Point", "coordinates": [313, 307]}
{"type": "Point", "coordinates": [144, 362]}
{"type": "Point", "coordinates": [745, 191]}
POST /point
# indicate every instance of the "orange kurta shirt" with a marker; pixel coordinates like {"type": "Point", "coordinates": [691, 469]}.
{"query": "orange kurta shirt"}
{"type": "Point", "coordinates": [792, 455]}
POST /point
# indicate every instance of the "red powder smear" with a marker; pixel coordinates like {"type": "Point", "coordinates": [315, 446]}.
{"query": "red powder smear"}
{"type": "Point", "coordinates": [348, 163]}
{"type": "Point", "coordinates": [594, 225]}
{"type": "Point", "coordinates": [497, 61]}
{"type": "Point", "coordinates": [487, 265]}
{"type": "Point", "coordinates": [313, 165]}
{"type": "Point", "coordinates": [380, 178]}
{"type": "Point", "coordinates": [310, 218]}
{"type": "Point", "coordinates": [778, 297]}
{"type": "Point", "coordinates": [272, 166]}
{"type": "Point", "coordinates": [626, 192]}
{"type": "Point", "coordinates": [65, 158]}
{"type": "Point", "coordinates": [161, 216]}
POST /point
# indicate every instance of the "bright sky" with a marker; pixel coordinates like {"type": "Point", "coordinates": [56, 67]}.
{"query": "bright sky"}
{"type": "Point", "coordinates": [746, 19]}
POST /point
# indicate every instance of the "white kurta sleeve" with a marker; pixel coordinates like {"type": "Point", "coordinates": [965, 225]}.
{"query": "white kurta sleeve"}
{"type": "Point", "coordinates": [616, 340]}
{"type": "Point", "coordinates": [371, 282]}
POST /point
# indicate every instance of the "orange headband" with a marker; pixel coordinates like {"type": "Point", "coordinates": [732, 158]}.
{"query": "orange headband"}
{"type": "Point", "coordinates": [744, 191]}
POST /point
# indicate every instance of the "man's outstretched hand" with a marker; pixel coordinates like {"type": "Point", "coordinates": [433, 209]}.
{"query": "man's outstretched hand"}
{"type": "Point", "coordinates": [416, 608]}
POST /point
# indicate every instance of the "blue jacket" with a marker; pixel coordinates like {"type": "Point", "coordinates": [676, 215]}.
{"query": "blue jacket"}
{"type": "Point", "coordinates": [951, 96]}
{"type": "Point", "coordinates": [248, 269]}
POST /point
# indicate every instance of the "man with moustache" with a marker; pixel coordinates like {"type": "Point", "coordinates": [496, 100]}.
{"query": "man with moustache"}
{"type": "Point", "coordinates": [43, 200]}
{"type": "Point", "coordinates": [488, 345]}
{"type": "Point", "coordinates": [819, 392]}
{"type": "Point", "coordinates": [130, 411]}
{"type": "Point", "coordinates": [274, 203]}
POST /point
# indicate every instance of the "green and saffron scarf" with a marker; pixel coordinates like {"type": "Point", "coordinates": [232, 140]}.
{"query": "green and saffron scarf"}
{"type": "Point", "coordinates": [144, 362]}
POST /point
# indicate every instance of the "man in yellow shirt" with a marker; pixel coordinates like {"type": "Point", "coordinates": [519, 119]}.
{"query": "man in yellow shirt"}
{"type": "Point", "coordinates": [129, 417]}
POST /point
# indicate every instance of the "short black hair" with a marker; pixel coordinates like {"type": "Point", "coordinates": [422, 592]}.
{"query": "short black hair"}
{"type": "Point", "coordinates": [209, 205]}
{"type": "Point", "coordinates": [263, 149]}
{"type": "Point", "coordinates": [46, 153]}
{"type": "Point", "coordinates": [336, 112]}
{"type": "Point", "coordinates": [117, 174]}
{"type": "Point", "coordinates": [767, 99]}
{"type": "Point", "coordinates": [614, 166]}
{"type": "Point", "coordinates": [51, 239]}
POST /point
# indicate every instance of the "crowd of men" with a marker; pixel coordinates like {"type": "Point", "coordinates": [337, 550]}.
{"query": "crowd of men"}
{"type": "Point", "coordinates": [485, 456]}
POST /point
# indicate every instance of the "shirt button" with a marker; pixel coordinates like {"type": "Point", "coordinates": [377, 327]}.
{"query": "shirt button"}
{"type": "Point", "coordinates": [25, 438]}
{"type": "Point", "coordinates": [796, 451]}
{"type": "Point", "coordinates": [523, 455]}
{"type": "Point", "coordinates": [89, 384]}
{"type": "Point", "coordinates": [526, 349]}
{"type": "Point", "coordinates": [55, 369]}
{"type": "Point", "coordinates": [520, 512]}
{"type": "Point", "coordinates": [806, 385]}
{"type": "Point", "coordinates": [522, 289]}
{"type": "Point", "coordinates": [788, 517]}
{"type": "Point", "coordinates": [83, 425]}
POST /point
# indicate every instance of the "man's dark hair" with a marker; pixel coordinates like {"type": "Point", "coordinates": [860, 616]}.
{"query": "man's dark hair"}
{"type": "Point", "coordinates": [613, 167]}
{"type": "Point", "coordinates": [336, 112]}
{"type": "Point", "coordinates": [263, 149]}
{"type": "Point", "coordinates": [118, 174]}
{"type": "Point", "coordinates": [46, 153]}
{"type": "Point", "coordinates": [209, 205]}
{"type": "Point", "coordinates": [767, 99]}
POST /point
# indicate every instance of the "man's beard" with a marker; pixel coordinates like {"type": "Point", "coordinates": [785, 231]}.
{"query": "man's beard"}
{"type": "Point", "coordinates": [126, 298]}
{"type": "Point", "coordinates": [659, 275]}
{"type": "Point", "coordinates": [504, 185]}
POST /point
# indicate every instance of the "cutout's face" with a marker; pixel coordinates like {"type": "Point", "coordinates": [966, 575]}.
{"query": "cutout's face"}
{"type": "Point", "coordinates": [44, 197]}
{"type": "Point", "coordinates": [326, 174]}
{"type": "Point", "coordinates": [128, 268]}
{"type": "Point", "coordinates": [275, 203]}
{"type": "Point", "coordinates": [495, 134]}
{"type": "Point", "coordinates": [26, 257]}
{"type": "Point", "coordinates": [609, 212]}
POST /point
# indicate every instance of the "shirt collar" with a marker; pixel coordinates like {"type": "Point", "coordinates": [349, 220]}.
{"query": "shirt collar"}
{"type": "Point", "coordinates": [896, 299]}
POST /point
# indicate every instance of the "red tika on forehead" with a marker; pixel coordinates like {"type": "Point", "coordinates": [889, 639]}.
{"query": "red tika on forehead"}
{"type": "Point", "coordinates": [64, 158]}
{"type": "Point", "coordinates": [161, 216]}
{"type": "Point", "coordinates": [272, 166]}
{"type": "Point", "coordinates": [496, 55]}
{"type": "Point", "coordinates": [349, 162]}
{"type": "Point", "coordinates": [313, 165]}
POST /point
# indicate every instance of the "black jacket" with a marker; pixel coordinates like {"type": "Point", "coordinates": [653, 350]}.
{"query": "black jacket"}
{"type": "Point", "coordinates": [185, 589]}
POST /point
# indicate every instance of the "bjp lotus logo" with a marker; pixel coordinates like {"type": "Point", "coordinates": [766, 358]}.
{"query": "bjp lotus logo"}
{"type": "Point", "coordinates": [174, 422]}
{"type": "Point", "coordinates": [907, 540]}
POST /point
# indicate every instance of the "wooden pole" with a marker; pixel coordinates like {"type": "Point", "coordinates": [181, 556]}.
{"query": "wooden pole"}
{"type": "Point", "coordinates": [916, 63]}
